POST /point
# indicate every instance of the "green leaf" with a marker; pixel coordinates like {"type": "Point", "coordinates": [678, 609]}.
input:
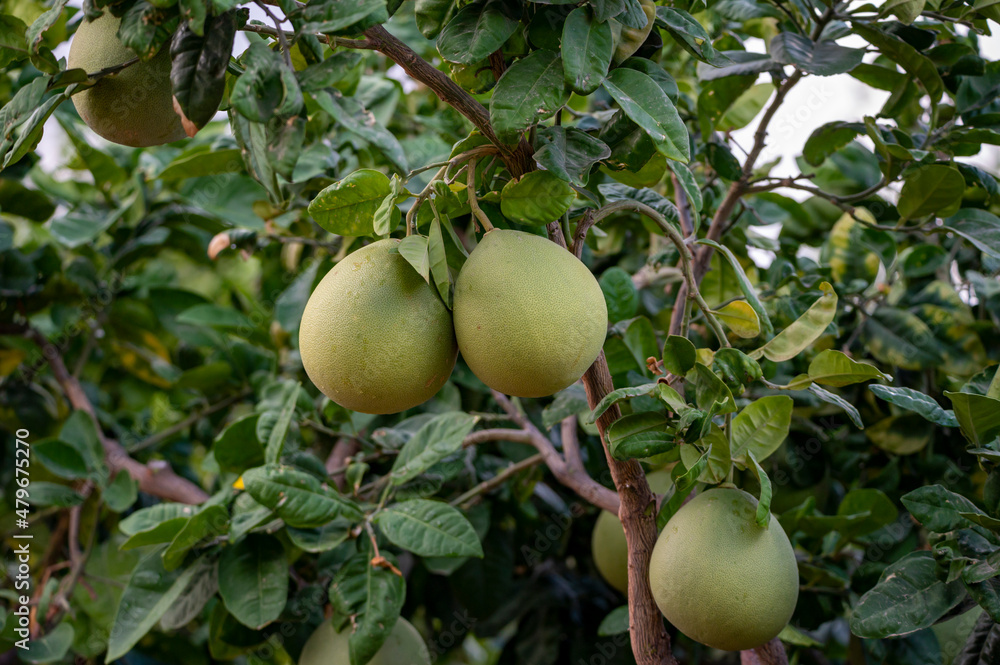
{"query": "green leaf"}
{"type": "Point", "coordinates": [438, 260]}
{"type": "Point", "coordinates": [51, 647]}
{"type": "Point", "coordinates": [237, 448]}
{"type": "Point", "coordinates": [979, 227]}
{"type": "Point", "coordinates": [620, 294]}
{"type": "Point", "coordinates": [373, 596]}
{"type": "Point", "coordinates": [901, 435]}
{"type": "Point", "coordinates": [429, 528]}
{"type": "Point", "coordinates": [615, 623]}
{"type": "Point", "coordinates": [531, 89]}
{"type": "Point", "coordinates": [690, 34]}
{"type": "Point", "coordinates": [862, 512]}
{"type": "Point", "coordinates": [745, 285]}
{"type": "Point", "coordinates": [908, 597]}
{"type": "Point", "coordinates": [355, 118]}
{"type": "Point", "coordinates": [536, 199]}
{"type": "Point", "coordinates": [198, 67]}
{"type": "Point", "coordinates": [934, 189]}
{"type": "Point", "coordinates": [828, 139]}
{"type": "Point", "coordinates": [907, 57]}
{"type": "Point", "coordinates": [253, 580]}
{"type": "Point", "coordinates": [803, 331]}
{"type": "Point", "coordinates": [207, 523]}
{"type": "Point", "coordinates": [978, 416]}
{"type": "Point", "coordinates": [618, 395]}
{"type": "Point", "coordinates": [150, 592]}
{"type": "Point", "coordinates": [897, 337]}
{"type": "Point", "coordinates": [121, 492]}
{"type": "Point", "coordinates": [297, 497]}
{"type": "Point", "coordinates": [679, 355]}
{"type": "Point", "coordinates": [414, 249]}
{"type": "Point", "coordinates": [763, 516]}
{"type": "Point", "coordinates": [60, 458]}
{"type": "Point", "coordinates": [348, 207]}
{"type": "Point", "coordinates": [641, 435]}
{"type": "Point", "coordinates": [938, 509]}
{"type": "Point", "coordinates": [587, 47]}
{"type": "Point", "coordinates": [332, 17]}
{"type": "Point", "coordinates": [569, 402]}
{"type": "Point", "coordinates": [709, 390]}
{"type": "Point", "coordinates": [648, 106]}
{"type": "Point", "coordinates": [838, 401]}
{"type": "Point", "coordinates": [761, 427]}
{"type": "Point", "coordinates": [432, 15]}
{"type": "Point", "coordinates": [689, 185]}
{"type": "Point", "coordinates": [819, 58]}
{"type": "Point", "coordinates": [276, 440]}
{"type": "Point", "coordinates": [267, 88]}
{"type": "Point", "coordinates": [145, 519]}
{"type": "Point", "coordinates": [833, 368]}
{"type": "Point", "coordinates": [163, 532]}
{"type": "Point", "coordinates": [215, 316]}
{"type": "Point", "coordinates": [439, 438]}
{"type": "Point", "coordinates": [321, 539]}
{"type": "Point", "coordinates": [917, 402]}
{"type": "Point", "coordinates": [661, 204]}
{"type": "Point", "coordinates": [477, 30]}
{"type": "Point", "coordinates": [387, 214]}
{"type": "Point", "coordinates": [685, 477]}
{"type": "Point", "coordinates": [640, 340]}
{"type": "Point", "coordinates": [569, 153]}
{"type": "Point", "coordinates": [741, 318]}
{"type": "Point", "coordinates": [201, 161]}
{"type": "Point", "coordinates": [201, 587]}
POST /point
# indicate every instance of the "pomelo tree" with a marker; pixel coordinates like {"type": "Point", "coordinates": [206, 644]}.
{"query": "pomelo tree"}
{"type": "Point", "coordinates": [818, 336]}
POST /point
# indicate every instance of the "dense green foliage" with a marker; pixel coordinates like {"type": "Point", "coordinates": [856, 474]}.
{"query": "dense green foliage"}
{"type": "Point", "coordinates": [151, 302]}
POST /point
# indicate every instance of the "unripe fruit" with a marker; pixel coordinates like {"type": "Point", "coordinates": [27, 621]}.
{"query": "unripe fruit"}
{"type": "Point", "coordinates": [374, 336]}
{"type": "Point", "coordinates": [529, 316]}
{"type": "Point", "coordinates": [133, 107]}
{"type": "Point", "coordinates": [608, 545]}
{"type": "Point", "coordinates": [719, 578]}
{"type": "Point", "coordinates": [404, 646]}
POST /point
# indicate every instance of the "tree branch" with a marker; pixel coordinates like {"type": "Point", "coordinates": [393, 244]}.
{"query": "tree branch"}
{"type": "Point", "coordinates": [575, 479]}
{"type": "Point", "coordinates": [156, 478]}
{"type": "Point", "coordinates": [497, 480]}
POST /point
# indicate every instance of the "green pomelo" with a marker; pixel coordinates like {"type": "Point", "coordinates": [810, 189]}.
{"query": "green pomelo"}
{"type": "Point", "coordinates": [133, 107]}
{"type": "Point", "coordinates": [529, 316]}
{"type": "Point", "coordinates": [374, 336]}
{"type": "Point", "coordinates": [721, 579]}
{"type": "Point", "coordinates": [404, 646]}
{"type": "Point", "coordinates": [607, 543]}
{"type": "Point", "coordinates": [953, 633]}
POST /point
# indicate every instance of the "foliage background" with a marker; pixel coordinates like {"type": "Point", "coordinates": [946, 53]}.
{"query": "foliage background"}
{"type": "Point", "coordinates": [170, 282]}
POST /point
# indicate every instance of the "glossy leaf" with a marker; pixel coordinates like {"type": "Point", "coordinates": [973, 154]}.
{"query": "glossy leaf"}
{"type": "Point", "coordinates": [569, 153]}
{"type": "Point", "coordinates": [476, 31]}
{"type": "Point", "coordinates": [348, 207]}
{"type": "Point", "coordinates": [761, 426]}
{"type": "Point", "coordinates": [834, 368]}
{"type": "Point", "coordinates": [537, 198]}
{"type": "Point", "coordinates": [436, 440]}
{"type": "Point", "coordinates": [296, 496]}
{"type": "Point", "coordinates": [917, 402]}
{"type": "Point", "coordinates": [253, 580]}
{"type": "Point", "coordinates": [979, 227]}
{"type": "Point", "coordinates": [745, 285]}
{"type": "Point", "coordinates": [586, 50]}
{"type": "Point", "coordinates": [532, 89]}
{"type": "Point", "coordinates": [934, 189]}
{"type": "Point", "coordinates": [647, 105]}
{"type": "Point", "coordinates": [803, 331]}
{"type": "Point", "coordinates": [429, 528]}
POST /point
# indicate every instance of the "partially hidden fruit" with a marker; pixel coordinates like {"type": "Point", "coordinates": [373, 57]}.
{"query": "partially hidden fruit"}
{"type": "Point", "coordinates": [529, 316]}
{"type": "Point", "coordinates": [607, 542]}
{"type": "Point", "coordinates": [404, 646]}
{"type": "Point", "coordinates": [133, 107]}
{"type": "Point", "coordinates": [374, 336]}
{"type": "Point", "coordinates": [719, 578]}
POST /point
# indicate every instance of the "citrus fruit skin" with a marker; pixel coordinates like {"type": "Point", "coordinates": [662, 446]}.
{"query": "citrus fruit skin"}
{"type": "Point", "coordinates": [404, 646]}
{"type": "Point", "coordinates": [607, 542]}
{"type": "Point", "coordinates": [133, 107]}
{"type": "Point", "coordinates": [374, 335]}
{"type": "Point", "coordinates": [529, 316]}
{"type": "Point", "coordinates": [719, 578]}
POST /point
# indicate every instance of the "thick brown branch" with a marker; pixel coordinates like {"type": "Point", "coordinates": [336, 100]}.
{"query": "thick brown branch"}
{"type": "Point", "coordinates": [156, 478]}
{"type": "Point", "coordinates": [772, 653]}
{"type": "Point", "coordinates": [518, 160]}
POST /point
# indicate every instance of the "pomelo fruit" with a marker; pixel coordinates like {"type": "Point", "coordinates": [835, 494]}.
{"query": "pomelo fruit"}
{"type": "Point", "coordinates": [133, 107]}
{"type": "Point", "coordinates": [607, 543]}
{"type": "Point", "coordinates": [719, 578]}
{"type": "Point", "coordinates": [529, 316]}
{"type": "Point", "coordinates": [404, 646]}
{"type": "Point", "coordinates": [374, 336]}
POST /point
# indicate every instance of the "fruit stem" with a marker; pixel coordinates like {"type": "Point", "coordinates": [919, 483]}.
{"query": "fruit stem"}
{"type": "Point", "coordinates": [473, 201]}
{"type": "Point", "coordinates": [411, 214]}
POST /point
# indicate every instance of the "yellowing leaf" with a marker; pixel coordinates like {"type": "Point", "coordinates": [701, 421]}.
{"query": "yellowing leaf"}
{"type": "Point", "coordinates": [741, 319]}
{"type": "Point", "coordinates": [804, 331]}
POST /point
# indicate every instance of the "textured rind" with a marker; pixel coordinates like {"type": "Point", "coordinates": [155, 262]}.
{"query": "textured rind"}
{"type": "Point", "coordinates": [135, 106]}
{"type": "Point", "coordinates": [719, 578]}
{"type": "Point", "coordinates": [529, 316]}
{"type": "Point", "coordinates": [374, 336]}
{"type": "Point", "coordinates": [608, 544]}
{"type": "Point", "coordinates": [404, 646]}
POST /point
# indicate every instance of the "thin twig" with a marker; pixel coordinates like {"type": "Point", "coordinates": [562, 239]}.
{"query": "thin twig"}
{"type": "Point", "coordinates": [496, 481]}
{"type": "Point", "coordinates": [477, 212]}
{"type": "Point", "coordinates": [163, 435]}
